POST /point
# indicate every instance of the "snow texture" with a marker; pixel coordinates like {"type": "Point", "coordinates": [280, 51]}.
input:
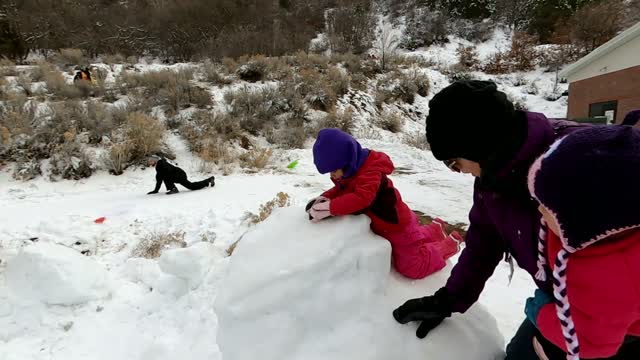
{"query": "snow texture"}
{"type": "Point", "coordinates": [297, 290]}
{"type": "Point", "coordinates": [55, 275]}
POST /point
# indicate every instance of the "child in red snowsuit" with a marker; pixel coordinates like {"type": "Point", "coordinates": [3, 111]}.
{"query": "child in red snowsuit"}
{"type": "Point", "coordinates": [362, 186]}
{"type": "Point", "coordinates": [587, 187]}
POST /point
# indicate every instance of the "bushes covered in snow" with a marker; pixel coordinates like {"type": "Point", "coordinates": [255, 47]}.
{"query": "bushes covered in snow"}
{"type": "Point", "coordinates": [255, 108]}
{"type": "Point", "coordinates": [70, 161]}
{"type": "Point", "coordinates": [341, 119]}
{"type": "Point", "coordinates": [390, 121]}
{"type": "Point", "coordinates": [173, 89]}
{"type": "Point", "coordinates": [401, 86]}
{"type": "Point", "coordinates": [7, 68]}
{"type": "Point", "coordinates": [425, 27]}
{"type": "Point", "coordinates": [522, 56]}
{"type": "Point", "coordinates": [215, 74]}
{"type": "Point", "coordinates": [144, 135]}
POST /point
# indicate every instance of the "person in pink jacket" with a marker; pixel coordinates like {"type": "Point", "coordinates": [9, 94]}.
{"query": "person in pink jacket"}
{"type": "Point", "coordinates": [588, 188]}
{"type": "Point", "coordinates": [362, 186]}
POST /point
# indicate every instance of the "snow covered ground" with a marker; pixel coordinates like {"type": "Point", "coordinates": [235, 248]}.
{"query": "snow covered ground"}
{"type": "Point", "coordinates": [161, 309]}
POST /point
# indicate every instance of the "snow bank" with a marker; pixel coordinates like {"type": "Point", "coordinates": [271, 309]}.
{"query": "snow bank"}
{"type": "Point", "coordinates": [55, 275]}
{"type": "Point", "coordinates": [177, 271]}
{"type": "Point", "coordinates": [296, 290]}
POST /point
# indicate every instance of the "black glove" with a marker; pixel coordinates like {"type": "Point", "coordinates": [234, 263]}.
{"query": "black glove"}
{"type": "Point", "coordinates": [152, 192]}
{"type": "Point", "coordinates": [310, 204]}
{"type": "Point", "coordinates": [430, 310]}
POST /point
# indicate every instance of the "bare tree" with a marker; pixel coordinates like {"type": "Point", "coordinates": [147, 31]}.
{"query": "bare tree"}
{"type": "Point", "coordinates": [350, 27]}
{"type": "Point", "coordinates": [170, 29]}
{"type": "Point", "coordinates": [387, 44]}
{"type": "Point", "coordinates": [514, 12]}
{"type": "Point", "coordinates": [597, 23]}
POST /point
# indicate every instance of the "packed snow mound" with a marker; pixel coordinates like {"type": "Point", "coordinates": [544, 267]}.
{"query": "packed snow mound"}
{"type": "Point", "coordinates": [297, 290]}
{"type": "Point", "coordinates": [55, 275]}
{"type": "Point", "coordinates": [177, 271]}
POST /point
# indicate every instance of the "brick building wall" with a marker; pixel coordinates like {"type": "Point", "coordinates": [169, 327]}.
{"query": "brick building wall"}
{"type": "Point", "coordinates": [623, 86]}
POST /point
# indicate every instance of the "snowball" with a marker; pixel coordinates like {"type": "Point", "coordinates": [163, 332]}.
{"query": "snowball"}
{"type": "Point", "coordinates": [190, 264]}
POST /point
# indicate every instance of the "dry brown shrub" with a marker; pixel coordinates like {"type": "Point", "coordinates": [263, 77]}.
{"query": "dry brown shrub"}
{"type": "Point", "coordinates": [216, 151]}
{"type": "Point", "coordinates": [152, 245]}
{"type": "Point", "coordinates": [255, 110]}
{"type": "Point", "coordinates": [117, 158]}
{"type": "Point", "coordinates": [303, 59]}
{"type": "Point", "coordinates": [214, 73]}
{"type": "Point", "coordinates": [497, 64]}
{"type": "Point", "coordinates": [114, 59]}
{"type": "Point", "coordinates": [69, 161]}
{"type": "Point", "coordinates": [468, 57]}
{"type": "Point", "coordinates": [70, 57]}
{"type": "Point", "coordinates": [281, 200]}
{"type": "Point", "coordinates": [256, 158]}
{"type": "Point", "coordinates": [418, 140]}
{"type": "Point", "coordinates": [521, 57]}
{"type": "Point", "coordinates": [144, 135]}
{"type": "Point", "coordinates": [252, 69]}
{"type": "Point", "coordinates": [338, 80]}
{"type": "Point", "coordinates": [7, 68]}
{"type": "Point", "coordinates": [232, 247]}
{"type": "Point", "coordinates": [230, 64]}
{"type": "Point", "coordinates": [39, 72]}
{"type": "Point", "coordinates": [199, 97]}
{"type": "Point", "coordinates": [25, 83]}
{"type": "Point", "coordinates": [390, 121]}
{"type": "Point", "coordinates": [17, 119]}
{"type": "Point", "coordinates": [341, 119]}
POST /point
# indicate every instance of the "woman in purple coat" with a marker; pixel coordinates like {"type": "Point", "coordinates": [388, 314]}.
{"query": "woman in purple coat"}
{"type": "Point", "coordinates": [475, 129]}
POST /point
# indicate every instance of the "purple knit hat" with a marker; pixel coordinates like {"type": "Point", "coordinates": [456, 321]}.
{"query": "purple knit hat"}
{"type": "Point", "coordinates": [335, 150]}
{"type": "Point", "coordinates": [589, 182]}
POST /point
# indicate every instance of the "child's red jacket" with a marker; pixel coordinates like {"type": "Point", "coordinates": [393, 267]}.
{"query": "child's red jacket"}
{"type": "Point", "coordinates": [371, 192]}
{"type": "Point", "coordinates": [603, 286]}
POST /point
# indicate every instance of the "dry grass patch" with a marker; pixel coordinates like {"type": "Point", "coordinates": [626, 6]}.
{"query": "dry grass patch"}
{"type": "Point", "coordinates": [117, 158]}
{"type": "Point", "coordinates": [152, 246]}
{"type": "Point", "coordinates": [418, 140]}
{"type": "Point", "coordinates": [215, 74]}
{"type": "Point", "coordinates": [70, 57]}
{"type": "Point", "coordinates": [281, 200]}
{"type": "Point", "coordinates": [7, 68]}
{"type": "Point", "coordinates": [256, 158]}
{"type": "Point", "coordinates": [114, 59]}
{"type": "Point", "coordinates": [144, 135]}
{"type": "Point", "coordinates": [390, 121]}
{"type": "Point", "coordinates": [341, 119]}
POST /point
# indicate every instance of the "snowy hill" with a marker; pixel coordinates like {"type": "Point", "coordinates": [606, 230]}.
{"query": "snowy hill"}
{"type": "Point", "coordinates": [72, 289]}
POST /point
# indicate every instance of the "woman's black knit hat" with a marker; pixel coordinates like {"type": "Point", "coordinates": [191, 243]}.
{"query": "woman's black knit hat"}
{"type": "Point", "coordinates": [471, 120]}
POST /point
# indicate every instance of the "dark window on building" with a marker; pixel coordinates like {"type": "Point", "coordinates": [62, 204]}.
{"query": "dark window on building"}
{"type": "Point", "coordinates": [607, 109]}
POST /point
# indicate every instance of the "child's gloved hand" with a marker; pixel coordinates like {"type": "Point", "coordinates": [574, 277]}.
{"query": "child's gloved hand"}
{"type": "Point", "coordinates": [430, 311]}
{"type": "Point", "coordinates": [313, 202]}
{"type": "Point", "coordinates": [320, 210]}
{"type": "Point", "coordinates": [534, 304]}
